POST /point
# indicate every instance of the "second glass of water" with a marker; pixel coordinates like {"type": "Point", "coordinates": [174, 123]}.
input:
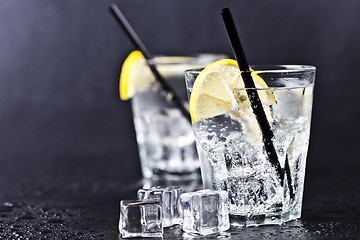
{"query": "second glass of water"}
{"type": "Point", "coordinates": [165, 139]}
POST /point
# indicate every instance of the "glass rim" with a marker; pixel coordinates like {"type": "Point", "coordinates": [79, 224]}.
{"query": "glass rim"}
{"type": "Point", "coordinates": [269, 68]}
{"type": "Point", "coordinates": [185, 59]}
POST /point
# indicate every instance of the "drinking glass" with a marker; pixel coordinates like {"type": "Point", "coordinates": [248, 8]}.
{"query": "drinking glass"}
{"type": "Point", "coordinates": [165, 139]}
{"type": "Point", "coordinates": [232, 153]}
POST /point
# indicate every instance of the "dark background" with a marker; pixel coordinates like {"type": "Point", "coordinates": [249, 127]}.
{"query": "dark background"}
{"type": "Point", "coordinates": [65, 132]}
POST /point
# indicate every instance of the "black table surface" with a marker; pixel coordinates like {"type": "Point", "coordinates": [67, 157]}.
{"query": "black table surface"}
{"type": "Point", "coordinates": [68, 152]}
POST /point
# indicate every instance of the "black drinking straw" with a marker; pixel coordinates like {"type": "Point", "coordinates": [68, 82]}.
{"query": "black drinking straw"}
{"type": "Point", "coordinates": [168, 92]}
{"type": "Point", "coordinates": [252, 93]}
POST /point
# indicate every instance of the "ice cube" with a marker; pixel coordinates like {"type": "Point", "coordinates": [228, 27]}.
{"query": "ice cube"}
{"type": "Point", "coordinates": [205, 211]}
{"type": "Point", "coordinates": [140, 219]}
{"type": "Point", "coordinates": [169, 198]}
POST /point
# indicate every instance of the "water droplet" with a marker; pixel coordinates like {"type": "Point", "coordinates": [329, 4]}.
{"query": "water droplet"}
{"type": "Point", "coordinates": [8, 204]}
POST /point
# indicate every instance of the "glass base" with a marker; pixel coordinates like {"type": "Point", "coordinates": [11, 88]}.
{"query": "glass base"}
{"type": "Point", "coordinates": [188, 185]}
{"type": "Point", "coordinates": [263, 219]}
{"type": "Point", "coordinates": [161, 175]}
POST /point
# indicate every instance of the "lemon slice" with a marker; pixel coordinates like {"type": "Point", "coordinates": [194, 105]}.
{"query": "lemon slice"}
{"type": "Point", "coordinates": [218, 90]}
{"type": "Point", "coordinates": [135, 75]}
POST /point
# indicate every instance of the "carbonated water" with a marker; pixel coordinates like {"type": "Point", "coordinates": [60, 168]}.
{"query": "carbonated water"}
{"type": "Point", "coordinates": [233, 157]}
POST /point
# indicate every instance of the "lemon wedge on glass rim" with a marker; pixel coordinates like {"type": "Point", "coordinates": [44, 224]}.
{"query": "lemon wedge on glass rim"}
{"type": "Point", "coordinates": [219, 89]}
{"type": "Point", "coordinates": [135, 75]}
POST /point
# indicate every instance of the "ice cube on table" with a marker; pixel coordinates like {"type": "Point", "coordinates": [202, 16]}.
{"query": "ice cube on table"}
{"type": "Point", "coordinates": [205, 211]}
{"type": "Point", "coordinates": [140, 219]}
{"type": "Point", "coordinates": [169, 198]}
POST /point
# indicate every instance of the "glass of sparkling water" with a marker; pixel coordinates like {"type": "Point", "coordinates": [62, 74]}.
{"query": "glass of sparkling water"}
{"type": "Point", "coordinates": [233, 157]}
{"type": "Point", "coordinates": [165, 139]}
